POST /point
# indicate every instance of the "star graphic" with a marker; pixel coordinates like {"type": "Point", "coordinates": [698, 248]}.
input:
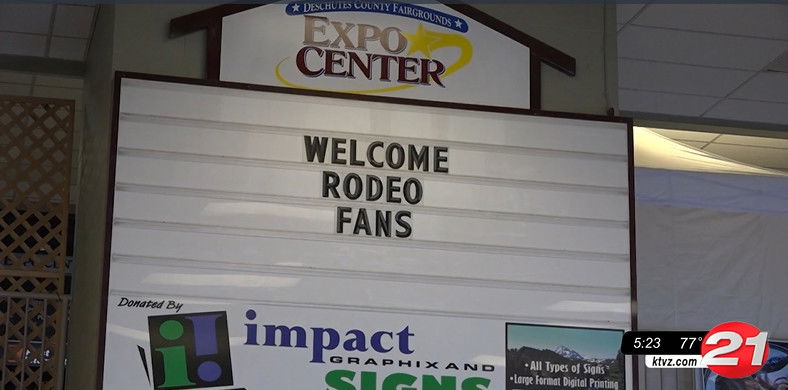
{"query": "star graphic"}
{"type": "Point", "coordinates": [458, 23]}
{"type": "Point", "coordinates": [421, 41]}
{"type": "Point", "coordinates": [295, 7]}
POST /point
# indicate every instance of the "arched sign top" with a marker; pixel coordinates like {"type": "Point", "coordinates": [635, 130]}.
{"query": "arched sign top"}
{"type": "Point", "coordinates": [441, 52]}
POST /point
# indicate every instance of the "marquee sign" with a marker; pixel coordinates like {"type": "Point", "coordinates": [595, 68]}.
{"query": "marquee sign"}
{"type": "Point", "coordinates": [447, 53]}
{"type": "Point", "coordinates": [266, 237]}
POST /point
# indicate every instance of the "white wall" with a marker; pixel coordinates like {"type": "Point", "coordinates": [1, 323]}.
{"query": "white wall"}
{"type": "Point", "coordinates": [585, 31]}
{"type": "Point", "coordinates": [89, 236]}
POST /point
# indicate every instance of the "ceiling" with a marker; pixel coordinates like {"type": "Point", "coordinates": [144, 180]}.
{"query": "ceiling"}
{"type": "Point", "coordinates": [60, 31]}
{"type": "Point", "coordinates": [653, 150]}
{"type": "Point", "coordinates": [760, 151]}
{"type": "Point", "coordinates": [711, 61]}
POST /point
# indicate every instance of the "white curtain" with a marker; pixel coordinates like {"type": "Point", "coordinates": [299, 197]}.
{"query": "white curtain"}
{"type": "Point", "coordinates": [712, 246]}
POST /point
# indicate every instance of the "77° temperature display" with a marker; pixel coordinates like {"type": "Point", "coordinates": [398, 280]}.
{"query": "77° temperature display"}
{"type": "Point", "coordinates": [662, 342]}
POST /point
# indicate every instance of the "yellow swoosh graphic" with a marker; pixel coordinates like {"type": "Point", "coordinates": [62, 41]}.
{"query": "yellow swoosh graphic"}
{"type": "Point", "coordinates": [423, 40]}
{"type": "Point", "coordinates": [426, 41]}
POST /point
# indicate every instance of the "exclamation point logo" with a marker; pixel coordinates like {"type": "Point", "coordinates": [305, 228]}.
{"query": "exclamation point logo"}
{"type": "Point", "coordinates": [190, 351]}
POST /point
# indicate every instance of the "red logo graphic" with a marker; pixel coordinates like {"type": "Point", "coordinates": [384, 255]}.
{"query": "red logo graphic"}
{"type": "Point", "coordinates": [734, 349]}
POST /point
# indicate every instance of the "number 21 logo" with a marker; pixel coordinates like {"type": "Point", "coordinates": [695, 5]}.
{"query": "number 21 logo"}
{"type": "Point", "coordinates": [734, 349]}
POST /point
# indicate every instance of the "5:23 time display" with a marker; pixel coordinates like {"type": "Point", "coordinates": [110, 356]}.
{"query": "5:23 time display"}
{"type": "Point", "coordinates": [647, 342]}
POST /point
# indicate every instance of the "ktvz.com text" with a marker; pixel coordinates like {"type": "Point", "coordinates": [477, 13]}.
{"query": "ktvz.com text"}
{"type": "Point", "coordinates": [674, 361]}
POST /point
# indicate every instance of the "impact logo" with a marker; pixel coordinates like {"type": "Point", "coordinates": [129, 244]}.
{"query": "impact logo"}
{"type": "Point", "coordinates": [377, 57]}
{"type": "Point", "coordinates": [189, 351]}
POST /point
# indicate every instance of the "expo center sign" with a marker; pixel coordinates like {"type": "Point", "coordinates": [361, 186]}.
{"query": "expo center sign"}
{"type": "Point", "coordinates": [383, 48]}
{"type": "Point", "coordinates": [389, 48]}
{"type": "Point", "coordinates": [376, 52]}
